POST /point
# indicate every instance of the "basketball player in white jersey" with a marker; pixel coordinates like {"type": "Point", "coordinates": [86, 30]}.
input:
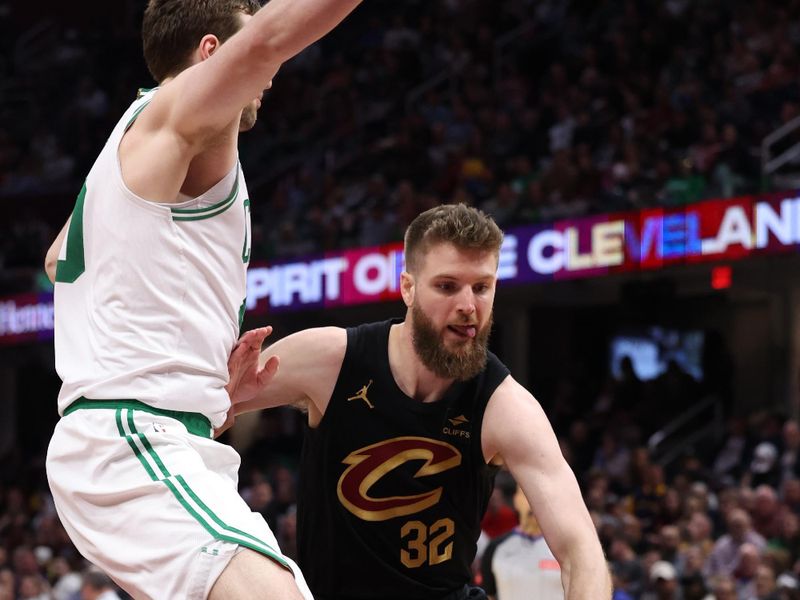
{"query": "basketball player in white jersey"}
{"type": "Point", "coordinates": [149, 292]}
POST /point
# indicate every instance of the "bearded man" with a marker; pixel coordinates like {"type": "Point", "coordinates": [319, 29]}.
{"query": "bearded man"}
{"type": "Point", "coordinates": [408, 422]}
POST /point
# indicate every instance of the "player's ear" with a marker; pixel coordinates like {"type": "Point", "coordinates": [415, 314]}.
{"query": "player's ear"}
{"type": "Point", "coordinates": [407, 287]}
{"type": "Point", "coordinates": [208, 45]}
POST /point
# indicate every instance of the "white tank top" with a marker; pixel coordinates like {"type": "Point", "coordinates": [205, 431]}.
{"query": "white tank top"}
{"type": "Point", "coordinates": [149, 297]}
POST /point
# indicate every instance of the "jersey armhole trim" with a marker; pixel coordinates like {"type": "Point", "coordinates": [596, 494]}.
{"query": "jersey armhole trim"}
{"type": "Point", "coordinates": [198, 214]}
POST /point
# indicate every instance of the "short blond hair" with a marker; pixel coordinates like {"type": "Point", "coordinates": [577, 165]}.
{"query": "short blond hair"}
{"type": "Point", "coordinates": [465, 227]}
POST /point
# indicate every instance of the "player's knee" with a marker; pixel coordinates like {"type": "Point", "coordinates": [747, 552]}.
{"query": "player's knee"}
{"type": "Point", "coordinates": [251, 575]}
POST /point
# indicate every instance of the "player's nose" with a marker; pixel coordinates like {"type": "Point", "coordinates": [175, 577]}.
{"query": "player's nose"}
{"type": "Point", "coordinates": [466, 301]}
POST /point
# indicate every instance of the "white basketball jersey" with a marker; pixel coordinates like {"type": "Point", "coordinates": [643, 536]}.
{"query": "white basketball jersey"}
{"type": "Point", "coordinates": [149, 297]}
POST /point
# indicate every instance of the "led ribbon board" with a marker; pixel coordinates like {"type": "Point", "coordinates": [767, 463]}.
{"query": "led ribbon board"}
{"type": "Point", "coordinates": [594, 246]}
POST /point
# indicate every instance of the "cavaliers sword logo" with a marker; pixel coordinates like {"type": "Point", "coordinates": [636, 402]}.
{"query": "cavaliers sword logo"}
{"type": "Point", "coordinates": [369, 464]}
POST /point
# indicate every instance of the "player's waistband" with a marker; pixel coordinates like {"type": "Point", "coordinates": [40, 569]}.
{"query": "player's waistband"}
{"type": "Point", "coordinates": [195, 423]}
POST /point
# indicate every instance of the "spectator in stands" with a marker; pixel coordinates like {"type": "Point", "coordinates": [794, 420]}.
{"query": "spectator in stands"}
{"type": "Point", "coordinates": [620, 584]}
{"type": "Point", "coordinates": [8, 582]}
{"type": "Point", "coordinates": [788, 538]}
{"type": "Point", "coordinates": [725, 557]}
{"type": "Point", "coordinates": [665, 584]}
{"type": "Point", "coordinates": [669, 540]}
{"type": "Point", "coordinates": [626, 566]}
{"type": "Point", "coordinates": [98, 586]}
{"type": "Point", "coordinates": [725, 589]}
{"type": "Point", "coordinates": [690, 562]}
{"type": "Point", "coordinates": [612, 457]}
{"type": "Point", "coordinates": [766, 587]}
{"type": "Point", "coordinates": [698, 533]}
{"type": "Point", "coordinates": [33, 587]}
{"type": "Point", "coordinates": [765, 468]}
{"type": "Point", "coordinates": [790, 456]}
{"type": "Point", "coordinates": [729, 462]}
{"type": "Point", "coordinates": [767, 512]}
{"type": "Point", "coordinates": [788, 588]}
{"type": "Point", "coordinates": [748, 564]}
{"type": "Point", "coordinates": [67, 581]}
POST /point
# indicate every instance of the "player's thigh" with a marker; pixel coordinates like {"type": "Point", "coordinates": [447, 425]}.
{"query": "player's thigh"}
{"type": "Point", "coordinates": [249, 571]}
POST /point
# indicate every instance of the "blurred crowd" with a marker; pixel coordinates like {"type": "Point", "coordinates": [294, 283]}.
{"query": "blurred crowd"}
{"type": "Point", "coordinates": [533, 110]}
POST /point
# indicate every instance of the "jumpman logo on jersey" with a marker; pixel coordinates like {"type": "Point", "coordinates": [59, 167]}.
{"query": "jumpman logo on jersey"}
{"type": "Point", "coordinates": [362, 395]}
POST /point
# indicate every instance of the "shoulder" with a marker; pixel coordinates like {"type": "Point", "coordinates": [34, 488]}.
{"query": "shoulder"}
{"type": "Point", "coordinates": [512, 415]}
{"type": "Point", "coordinates": [375, 330]}
{"type": "Point", "coordinates": [368, 338]}
{"type": "Point", "coordinates": [509, 393]}
{"type": "Point", "coordinates": [495, 373]}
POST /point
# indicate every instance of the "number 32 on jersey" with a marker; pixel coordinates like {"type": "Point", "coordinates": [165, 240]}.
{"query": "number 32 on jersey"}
{"type": "Point", "coordinates": [422, 544]}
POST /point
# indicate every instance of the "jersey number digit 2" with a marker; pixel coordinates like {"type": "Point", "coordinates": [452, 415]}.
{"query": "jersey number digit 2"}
{"type": "Point", "coordinates": [69, 269]}
{"type": "Point", "coordinates": [427, 544]}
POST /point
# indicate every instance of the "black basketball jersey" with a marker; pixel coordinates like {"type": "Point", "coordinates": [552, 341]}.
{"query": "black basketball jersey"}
{"type": "Point", "coordinates": [393, 490]}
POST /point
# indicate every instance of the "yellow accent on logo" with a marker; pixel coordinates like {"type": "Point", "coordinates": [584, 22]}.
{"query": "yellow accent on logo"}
{"type": "Point", "coordinates": [362, 395]}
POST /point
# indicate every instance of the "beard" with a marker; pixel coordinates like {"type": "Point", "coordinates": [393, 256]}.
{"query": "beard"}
{"type": "Point", "coordinates": [248, 119]}
{"type": "Point", "coordinates": [462, 363]}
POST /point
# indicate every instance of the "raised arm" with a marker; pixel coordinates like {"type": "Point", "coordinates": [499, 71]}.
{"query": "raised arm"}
{"type": "Point", "coordinates": [211, 94]}
{"type": "Point", "coordinates": [516, 430]}
{"type": "Point", "coordinates": [199, 109]}
{"type": "Point", "coordinates": [310, 361]}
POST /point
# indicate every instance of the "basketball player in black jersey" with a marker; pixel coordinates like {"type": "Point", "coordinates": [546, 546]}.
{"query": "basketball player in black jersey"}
{"type": "Point", "coordinates": [408, 421]}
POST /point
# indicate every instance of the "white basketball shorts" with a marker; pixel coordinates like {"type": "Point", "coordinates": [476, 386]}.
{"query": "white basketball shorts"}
{"type": "Point", "coordinates": [150, 498]}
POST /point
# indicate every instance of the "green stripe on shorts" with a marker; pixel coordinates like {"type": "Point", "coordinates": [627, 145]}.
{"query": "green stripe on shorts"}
{"type": "Point", "coordinates": [187, 497]}
{"type": "Point", "coordinates": [195, 423]}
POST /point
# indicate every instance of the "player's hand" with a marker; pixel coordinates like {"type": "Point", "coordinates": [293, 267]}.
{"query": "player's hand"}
{"type": "Point", "coordinates": [246, 377]}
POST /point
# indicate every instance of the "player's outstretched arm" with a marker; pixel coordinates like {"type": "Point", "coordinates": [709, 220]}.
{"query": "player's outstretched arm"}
{"type": "Point", "coordinates": [194, 112]}
{"type": "Point", "coordinates": [310, 361]}
{"type": "Point", "coordinates": [516, 429]}
{"type": "Point", "coordinates": [212, 93]}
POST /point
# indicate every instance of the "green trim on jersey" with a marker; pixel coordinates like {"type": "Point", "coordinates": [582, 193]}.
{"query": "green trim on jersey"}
{"type": "Point", "coordinates": [136, 114]}
{"type": "Point", "coordinates": [69, 269]}
{"type": "Point", "coordinates": [195, 423]}
{"type": "Point", "coordinates": [186, 496]}
{"type": "Point", "coordinates": [247, 241]}
{"type": "Point", "coordinates": [242, 310]}
{"type": "Point", "coordinates": [198, 214]}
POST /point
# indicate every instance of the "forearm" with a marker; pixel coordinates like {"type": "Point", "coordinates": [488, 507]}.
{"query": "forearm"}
{"type": "Point", "coordinates": [585, 575]}
{"type": "Point", "coordinates": [259, 402]}
{"type": "Point", "coordinates": [288, 26]}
